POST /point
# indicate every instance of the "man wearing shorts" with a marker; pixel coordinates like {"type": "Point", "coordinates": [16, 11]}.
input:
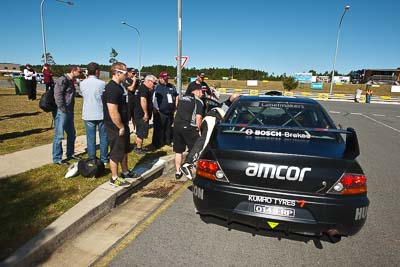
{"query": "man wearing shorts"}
{"type": "Point", "coordinates": [116, 122]}
{"type": "Point", "coordinates": [186, 125]}
{"type": "Point", "coordinates": [143, 109]}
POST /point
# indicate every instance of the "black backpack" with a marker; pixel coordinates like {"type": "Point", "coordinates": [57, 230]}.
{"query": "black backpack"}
{"type": "Point", "coordinates": [90, 167]}
{"type": "Point", "coordinates": [47, 102]}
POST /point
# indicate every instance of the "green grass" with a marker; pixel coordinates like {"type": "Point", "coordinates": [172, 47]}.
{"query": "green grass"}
{"type": "Point", "coordinates": [24, 125]}
{"type": "Point", "coordinates": [32, 200]}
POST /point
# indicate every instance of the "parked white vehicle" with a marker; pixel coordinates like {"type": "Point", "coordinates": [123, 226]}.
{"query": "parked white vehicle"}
{"type": "Point", "coordinates": [39, 77]}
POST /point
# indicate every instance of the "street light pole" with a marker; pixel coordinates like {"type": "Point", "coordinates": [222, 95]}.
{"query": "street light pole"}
{"type": "Point", "coordinates": [337, 45]}
{"type": "Point", "coordinates": [139, 45]}
{"type": "Point", "coordinates": [43, 32]}
{"type": "Point", "coordinates": [179, 61]}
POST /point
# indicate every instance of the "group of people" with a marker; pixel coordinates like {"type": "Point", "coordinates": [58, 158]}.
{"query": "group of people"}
{"type": "Point", "coordinates": [368, 95]}
{"type": "Point", "coordinates": [31, 82]}
{"type": "Point", "coordinates": [108, 109]}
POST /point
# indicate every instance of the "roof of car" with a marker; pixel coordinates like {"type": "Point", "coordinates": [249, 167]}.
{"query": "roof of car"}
{"type": "Point", "coordinates": [290, 99]}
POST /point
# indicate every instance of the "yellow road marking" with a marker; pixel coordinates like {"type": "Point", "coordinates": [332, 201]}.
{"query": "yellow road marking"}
{"type": "Point", "coordinates": [106, 259]}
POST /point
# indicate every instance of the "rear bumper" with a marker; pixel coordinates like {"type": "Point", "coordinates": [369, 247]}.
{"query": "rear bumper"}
{"type": "Point", "coordinates": [289, 212]}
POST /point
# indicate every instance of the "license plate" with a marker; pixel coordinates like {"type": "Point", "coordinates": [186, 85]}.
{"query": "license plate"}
{"type": "Point", "coordinates": [272, 210]}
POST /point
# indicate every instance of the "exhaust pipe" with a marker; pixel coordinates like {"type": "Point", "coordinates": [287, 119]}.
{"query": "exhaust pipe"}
{"type": "Point", "coordinates": [333, 235]}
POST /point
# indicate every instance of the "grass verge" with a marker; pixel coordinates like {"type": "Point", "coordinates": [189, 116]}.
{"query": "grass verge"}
{"type": "Point", "coordinates": [31, 201]}
{"type": "Point", "coordinates": [24, 125]}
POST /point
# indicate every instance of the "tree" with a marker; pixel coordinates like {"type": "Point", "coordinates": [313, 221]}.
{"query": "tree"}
{"type": "Point", "coordinates": [314, 73]}
{"type": "Point", "coordinates": [289, 83]}
{"type": "Point", "coordinates": [113, 56]}
{"type": "Point", "coordinates": [49, 58]}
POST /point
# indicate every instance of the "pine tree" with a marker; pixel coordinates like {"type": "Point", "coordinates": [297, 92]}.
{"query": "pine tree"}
{"type": "Point", "coordinates": [49, 58]}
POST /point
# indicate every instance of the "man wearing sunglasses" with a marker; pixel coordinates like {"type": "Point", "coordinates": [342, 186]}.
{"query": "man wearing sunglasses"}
{"type": "Point", "coordinates": [116, 122]}
{"type": "Point", "coordinates": [143, 109]}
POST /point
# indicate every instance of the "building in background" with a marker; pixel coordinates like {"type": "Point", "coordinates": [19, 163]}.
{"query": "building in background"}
{"type": "Point", "coordinates": [7, 69]}
{"type": "Point", "coordinates": [381, 76]}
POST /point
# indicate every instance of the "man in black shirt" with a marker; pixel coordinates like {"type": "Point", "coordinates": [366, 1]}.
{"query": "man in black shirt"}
{"type": "Point", "coordinates": [116, 122]}
{"type": "Point", "coordinates": [186, 125]}
{"type": "Point", "coordinates": [211, 119]}
{"type": "Point", "coordinates": [164, 102]}
{"type": "Point", "coordinates": [131, 84]}
{"type": "Point", "coordinates": [143, 110]}
{"type": "Point", "coordinates": [199, 84]}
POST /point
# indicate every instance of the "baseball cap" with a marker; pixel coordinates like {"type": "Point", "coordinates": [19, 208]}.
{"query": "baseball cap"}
{"type": "Point", "coordinates": [201, 74]}
{"type": "Point", "coordinates": [130, 70]}
{"type": "Point", "coordinates": [164, 75]}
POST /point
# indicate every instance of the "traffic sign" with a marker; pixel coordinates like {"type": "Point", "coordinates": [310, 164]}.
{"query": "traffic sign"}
{"type": "Point", "coordinates": [183, 60]}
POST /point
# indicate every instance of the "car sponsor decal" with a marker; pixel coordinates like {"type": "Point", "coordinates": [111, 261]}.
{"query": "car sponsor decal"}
{"type": "Point", "coordinates": [301, 202]}
{"type": "Point", "coordinates": [273, 210]}
{"type": "Point", "coordinates": [198, 192]}
{"type": "Point", "coordinates": [275, 133]}
{"type": "Point", "coordinates": [272, 200]}
{"type": "Point", "coordinates": [273, 224]}
{"type": "Point", "coordinates": [280, 105]}
{"type": "Point", "coordinates": [361, 213]}
{"type": "Point", "coordinates": [281, 172]}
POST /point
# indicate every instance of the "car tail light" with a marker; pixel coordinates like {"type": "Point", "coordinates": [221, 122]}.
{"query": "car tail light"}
{"type": "Point", "coordinates": [210, 169]}
{"type": "Point", "coordinates": [350, 184]}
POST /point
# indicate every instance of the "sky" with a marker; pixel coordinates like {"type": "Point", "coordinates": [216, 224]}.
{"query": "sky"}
{"type": "Point", "coordinates": [276, 36]}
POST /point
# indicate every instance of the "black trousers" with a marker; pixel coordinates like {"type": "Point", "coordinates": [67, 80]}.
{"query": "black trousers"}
{"type": "Point", "coordinates": [162, 134]}
{"type": "Point", "coordinates": [49, 86]}
{"type": "Point", "coordinates": [31, 89]}
{"type": "Point", "coordinates": [166, 124]}
{"type": "Point", "coordinates": [156, 140]}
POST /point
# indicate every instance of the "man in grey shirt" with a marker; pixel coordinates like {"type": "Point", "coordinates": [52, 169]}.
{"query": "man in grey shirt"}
{"type": "Point", "coordinates": [92, 89]}
{"type": "Point", "coordinates": [64, 95]}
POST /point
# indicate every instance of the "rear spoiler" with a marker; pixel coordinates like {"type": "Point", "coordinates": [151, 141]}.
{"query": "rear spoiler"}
{"type": "Point", "coordinates": [352, 149]}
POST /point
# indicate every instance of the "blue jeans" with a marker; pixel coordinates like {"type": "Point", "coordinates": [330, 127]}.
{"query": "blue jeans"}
{"type": "Point", "coordinates": [63, 122]}
{"type": "Point", "coordinates": [91, 140]}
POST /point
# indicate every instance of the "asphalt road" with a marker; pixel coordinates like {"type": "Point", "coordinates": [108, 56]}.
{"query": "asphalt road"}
{"type": "Point", "coordinates": [179, 237]}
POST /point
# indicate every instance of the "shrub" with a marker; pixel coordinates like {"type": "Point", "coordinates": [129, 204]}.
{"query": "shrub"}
{"type": "Point", "coordinates": [289, 83]}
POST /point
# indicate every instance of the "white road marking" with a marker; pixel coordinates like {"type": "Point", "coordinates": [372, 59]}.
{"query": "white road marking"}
{"type": "Point", "coordinates": [356, 114]}
{"type": "Point", "coordinates": [390, 127]}
{"type": "Point", "coordinates": [335, 112]}
{"type": "Point", "coordinates": [378, 115]}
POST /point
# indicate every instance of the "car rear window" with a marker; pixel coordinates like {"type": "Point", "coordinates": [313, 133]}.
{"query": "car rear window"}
{"type": "Point", "coordinates": [295, 116]}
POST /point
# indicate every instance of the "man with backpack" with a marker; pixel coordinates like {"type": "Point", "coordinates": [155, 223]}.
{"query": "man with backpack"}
{"type": "Point", "coordinates": [64, 96]}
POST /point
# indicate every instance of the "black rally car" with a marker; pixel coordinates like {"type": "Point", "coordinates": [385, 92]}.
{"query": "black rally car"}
{"type": "Point", "coordinates": [280, 163]}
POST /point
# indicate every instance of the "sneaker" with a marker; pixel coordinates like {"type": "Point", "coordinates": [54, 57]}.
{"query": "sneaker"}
{"type": "Point", "coordinates": [186, 169]}
{"type": "Point", "coordinates": [131, 175]}
{"type": "Point", "coordinates": [119, 182]}
{"type": "Point", "coordinates": [61, 162]}
{"type": "Point", "coordinates": [139, 151]}
{"type": "Point", "coordinates": [178, 175]}
{"type": "Point", "coordinates": [74, 157]}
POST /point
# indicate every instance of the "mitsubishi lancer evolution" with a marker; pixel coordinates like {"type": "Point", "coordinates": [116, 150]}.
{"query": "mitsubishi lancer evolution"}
{"type": "Point", "coordinates": [280, 163]}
